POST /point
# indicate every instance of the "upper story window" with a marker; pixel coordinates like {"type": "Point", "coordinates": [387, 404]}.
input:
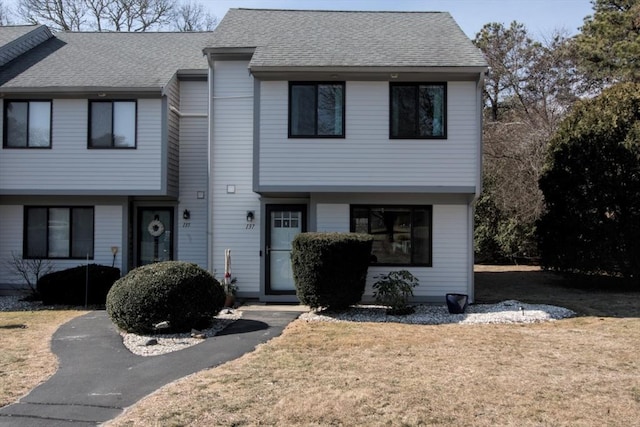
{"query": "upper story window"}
{"type": "Point", "coordinates": [402, 234]}
{"type": "Point", "coordinates": [27, 124]}
{"type": "Point", "coordinates": [418, 110]}
{"type": "Point", "coordinates": [112, 124]}
{"type": "Point", "coordinates": [316, 110]}
{"type": "Point", "coordinates": [58, 232]}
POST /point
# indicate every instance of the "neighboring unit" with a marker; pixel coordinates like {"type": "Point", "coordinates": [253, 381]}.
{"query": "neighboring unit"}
{"type": "Point", "coordinates": [304, 121]}
{"type": "Point", "coordinates": [95, 129]}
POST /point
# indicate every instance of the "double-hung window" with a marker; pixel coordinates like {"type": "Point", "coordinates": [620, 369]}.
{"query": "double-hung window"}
{"type": "Point", "coordinates": [402, 234]}
{"type": "Point", "coordinates": [112, 124]}
{"type": "Point", "coordinates": [58, 232]}
{"type": "Point", "coordinates": [418, 110]}
{"type": "Point", "coordinates": [316, 110]}
{"type": "Point", "coordinates": [27, 124]}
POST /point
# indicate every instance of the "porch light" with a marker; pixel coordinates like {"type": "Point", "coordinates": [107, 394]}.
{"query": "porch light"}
{"type": "Point", "coordinates": [186, 214]}
{"type": "Point", "coordinates": [250, 216]}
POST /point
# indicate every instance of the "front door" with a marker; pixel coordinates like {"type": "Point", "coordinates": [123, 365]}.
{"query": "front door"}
{"type": "Point", "coordinates": [284, 223]}
{"type": "Point", "coordinates": [155, 235]}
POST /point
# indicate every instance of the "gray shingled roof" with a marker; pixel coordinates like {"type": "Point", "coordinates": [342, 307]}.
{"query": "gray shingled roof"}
{"type": "Point", "coordinates": [16, 40]}
{"type": "Point", "coordinates": [290, 38]}
{"type": "Point", "coordinates": [82, 61]}
{"type": "Point", "coordinates": [11, 33]}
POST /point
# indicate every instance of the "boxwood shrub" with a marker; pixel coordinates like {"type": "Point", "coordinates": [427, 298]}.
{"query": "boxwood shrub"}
{"type": "Point", "coordinates": [68, 286]}
{"type": "Point", "coordinates": [184, 294]}
{"type": "Point", "coordinates": [330, 269]}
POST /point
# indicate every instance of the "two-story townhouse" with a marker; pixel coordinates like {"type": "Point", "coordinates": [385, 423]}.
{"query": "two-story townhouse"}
{"type": "Point", "coordinates": [125, 149]}
{"type": "Point", "coordinates": [345, 121]}
{"type": "Point", "coordinates": [104, 148]}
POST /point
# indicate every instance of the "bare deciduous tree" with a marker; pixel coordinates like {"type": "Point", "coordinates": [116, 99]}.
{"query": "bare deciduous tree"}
{"type": "Point", "coordinates": [5, 14]}
{"type": "Point", "coordinates": [529, 89]}
{"type": "Point", "coordinates": [66, 15]}
{"type": "Point", "coordinates": [192, 16]}
{"type": "Point", "coordinates": [29, 270]}
{"type": "Point", "coordinates": [116, 15]}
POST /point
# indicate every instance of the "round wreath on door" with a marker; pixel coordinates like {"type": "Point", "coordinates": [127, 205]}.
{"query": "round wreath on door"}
{"type": "Point", "coordinates": [156, 227]}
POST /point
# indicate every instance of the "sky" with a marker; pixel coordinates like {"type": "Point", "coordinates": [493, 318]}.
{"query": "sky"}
{"type": "Point", "coordinates": [541, 17]}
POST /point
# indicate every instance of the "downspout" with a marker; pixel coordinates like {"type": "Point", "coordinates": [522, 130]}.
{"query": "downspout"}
{"type": "Point", "coordinates": [471, 210]}
{"type": "Point", "coordinates": [209, 168]}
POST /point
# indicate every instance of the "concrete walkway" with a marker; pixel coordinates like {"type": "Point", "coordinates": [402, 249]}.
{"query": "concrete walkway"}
{"type": "Point", "coordinates": [98, 377]}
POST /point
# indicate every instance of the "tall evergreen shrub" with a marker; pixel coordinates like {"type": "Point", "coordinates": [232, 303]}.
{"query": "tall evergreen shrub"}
{"type": "Point", "coordinates": [330, 269]}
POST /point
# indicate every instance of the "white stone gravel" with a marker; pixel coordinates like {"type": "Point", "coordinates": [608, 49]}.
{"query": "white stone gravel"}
{"type": "Point", "coordinates": [168, 343]}
{"type": "Point", "coordinates": [15, 303]}
{"type": "Point", "coordinates": [510, 311]}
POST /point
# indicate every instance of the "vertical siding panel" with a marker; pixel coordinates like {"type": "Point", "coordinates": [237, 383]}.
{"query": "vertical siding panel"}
{"type": "Point", "coordinates": [173, 136]}
{"type": "Point", "coordinates": [10, 241]}
{"type": "Point", "coordinates": [232, 158]}
{"type": "Point", "coordinates": [192, 233]}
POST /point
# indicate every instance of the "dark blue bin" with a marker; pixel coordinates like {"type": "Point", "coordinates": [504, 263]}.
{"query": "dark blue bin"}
{"type": "Point", "coordinates": [457, 303]}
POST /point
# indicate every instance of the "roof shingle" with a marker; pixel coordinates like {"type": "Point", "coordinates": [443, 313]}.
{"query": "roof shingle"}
{"type": "Point", "coordinates": [106, 60]}
{"type": "Point", "coordinates": [297, 38]}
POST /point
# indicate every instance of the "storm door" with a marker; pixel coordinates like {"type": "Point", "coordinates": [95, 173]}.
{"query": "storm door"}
{"type": "Point", "coordinates": [284, 223]}
{"type": "Point", "coordinates": [155, 235]}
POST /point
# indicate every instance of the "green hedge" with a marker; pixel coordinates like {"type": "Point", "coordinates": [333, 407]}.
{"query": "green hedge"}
{"type": "Point", "coordinates": [330, 269]}
{"type": "Point", "coordinates": [181, 293]}
{"type": "Point", "coordinates": [68, 286]}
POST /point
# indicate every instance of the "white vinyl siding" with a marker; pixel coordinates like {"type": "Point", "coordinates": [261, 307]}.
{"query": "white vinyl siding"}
{"type": "Point", "coordinates": [69, 166]}
{"type": "Point", "coordinates": [366, 156]}
{"type": "Point", "coordinates": [192, 233]}
{"type": "Point", "coordinates": [450, 272]}
{"type": "Point", "coordinates": [173, 137]}
{"type": "Point", "coordinates": [108, 232]}
{"type": "Point", "coordinates": [232, 164]}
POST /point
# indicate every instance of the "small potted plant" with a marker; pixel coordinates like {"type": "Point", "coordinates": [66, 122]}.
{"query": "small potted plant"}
{"type": "Point", "coordinates": [394, 290]}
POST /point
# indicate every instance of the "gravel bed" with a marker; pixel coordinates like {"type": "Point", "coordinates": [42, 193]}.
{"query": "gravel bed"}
{"type": "Point", "coordinates": [510, 311]}
{"type": "Point", "coordinates": [15, 303]}
{"type": "Point", "coordinates": [167, 343]}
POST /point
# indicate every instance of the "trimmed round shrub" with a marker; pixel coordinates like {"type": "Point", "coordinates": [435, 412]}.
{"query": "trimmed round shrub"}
{"type": "Point", "coordinates": [180, 293]}
{"type": "Point", "coordinates": [330, 269]}
{"type": "Point", "coordinates": [68, 286]}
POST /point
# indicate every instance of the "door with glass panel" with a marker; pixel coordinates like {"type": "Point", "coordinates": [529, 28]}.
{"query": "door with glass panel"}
{"type": "Point", "coordinates": [284, 223]}
{"type": "Point", "coordinates": [155, 235]}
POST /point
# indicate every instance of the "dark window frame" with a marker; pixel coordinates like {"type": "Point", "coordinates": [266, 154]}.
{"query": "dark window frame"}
{"type": "Point", "coordinates": [417, 85]}
{"type": "Point", "coordinates": [5, 143]}
{"type": "Point", "coordinates": [25, 241]}
{"type": "Point", "coordinates": [112, 146]}
{"type": "Point", "coordinates": [316, 84]}
{"type": "Point", "coordinates": [412, 209]}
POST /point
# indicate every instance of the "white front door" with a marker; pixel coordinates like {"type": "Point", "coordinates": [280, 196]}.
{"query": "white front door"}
{"type": "Point", "coordinates": [285, 222]}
